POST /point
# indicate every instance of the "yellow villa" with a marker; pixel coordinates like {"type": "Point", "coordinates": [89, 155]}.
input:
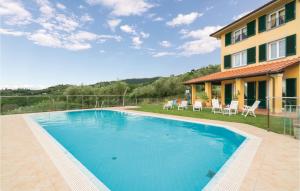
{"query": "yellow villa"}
{"type": "Point", "coordinates": [260, 56]}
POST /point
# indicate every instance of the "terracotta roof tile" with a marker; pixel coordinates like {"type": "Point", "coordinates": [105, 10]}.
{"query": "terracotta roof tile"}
{"type": "Point", "coordinates": [248, 71]}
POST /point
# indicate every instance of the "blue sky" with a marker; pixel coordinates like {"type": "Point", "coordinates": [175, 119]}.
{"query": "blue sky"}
{"type": "Point", "coordinates": [45, 42]}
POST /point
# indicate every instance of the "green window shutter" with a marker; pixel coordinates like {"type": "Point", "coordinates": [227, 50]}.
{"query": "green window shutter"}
{"type": "Point", "coordinates": [251, 55]}
{"type": "Point", "coordinates": [290, 45]}
{"type": "Point", "coordinates": [228, 39]}
{"type": "Point", "coordinates": [262, 52]}
{"type": "Point", "coordinates": [290, 11]}
{"type": "Point", "coordinates": [251, 28]}
{"type": "Point", "coordinates": [262, 23]}
{"type": "Point", "coordinates": [227, 61]}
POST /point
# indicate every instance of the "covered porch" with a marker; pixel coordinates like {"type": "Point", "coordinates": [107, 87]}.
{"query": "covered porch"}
{"type": "Point", "coordinates": [271, 81]}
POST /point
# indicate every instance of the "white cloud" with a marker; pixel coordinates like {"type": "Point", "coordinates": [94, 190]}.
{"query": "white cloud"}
{"type": "Point", "coordinates": [14, 12]}
{"type": "Point", "coordinates": [161, 54]}
{"type": "Point", "coordinates": [236, 17]}
{"type": "Point", "coordinates": [46, 8]}
{"type": "Point", "coordinates": [144, 35]}
{"type": "Point", "coordinates": [136, 42]}
{"type": "Point", "coordinates": [127, 29]}
{"type": "Point", "coordinates": [200, 33]}
{"type": "Point", "coordinates": [55, 29]}
{"type": "Point", "coordinates": [124, 7]}
{"type": "Point", "coordinates": [43, 38]}
{"type": "Point", "coordinates": [60, 6]}
{"type": "Point", "coordinates": [86, 18]}
{"type": "Point", "coordinates": [184, 19]}
{"type": "Point", "coordinates": [209, 8]}
{"type": "Point", "coordinates": [88, 36]}
{"type": "Point", "coordinates": [11, 32]}
{"type": "Point", "coordinates": [74, 42]}
{"type": "Point", "coordinates": [77, 46]}
{"type": "Point", "coordinates": [158, 19]}
{"type": "Point", "coordinates": [165, 44]}
{"type": "Point", "coordinates": [66, 23]}
{"type": "Point", "coordinates": [113, 23]}
{"type": "Point", "coordinates": [202, 43]}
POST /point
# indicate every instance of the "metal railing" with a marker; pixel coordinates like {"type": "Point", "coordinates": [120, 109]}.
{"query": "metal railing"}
{"type": "Point", "coordinates": [287, 109]}
{"type": "Point", "coordinates": [42, 103]}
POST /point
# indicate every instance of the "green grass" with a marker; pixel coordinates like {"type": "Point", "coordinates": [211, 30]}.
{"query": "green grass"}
{"type": "Point", "coordinates": [276, 123]}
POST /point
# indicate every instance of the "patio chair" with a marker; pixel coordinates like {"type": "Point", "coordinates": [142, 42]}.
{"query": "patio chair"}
{"type": "Point", "coordinates": [197, 106]}
{"type": "Point", "coordinates": [168, 105]}
{"type": "Point", "coordinates": [232, 108]}
{"type": "Point", "coordinates": [216, 107]}
{"type": "Point", "coordinates": [250, 109]}
{"type": "Point", "coordinates": [183, 105]}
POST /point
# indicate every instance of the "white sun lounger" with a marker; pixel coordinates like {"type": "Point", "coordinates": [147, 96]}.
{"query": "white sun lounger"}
{"type": "Point", "coordinates": [183, 105]}
{"type": "Point", "coordinates": [216, 107]}
{"type": "Point", "coordinates": [197, 106]}
{"type": "Point", "coordinates": [232, 108]}
{"type": "Point", "coordinates": [168, 105]}
{"type": "Point", "coordinates": [250, 110]}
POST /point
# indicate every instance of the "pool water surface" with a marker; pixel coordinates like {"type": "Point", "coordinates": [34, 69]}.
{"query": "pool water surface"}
{"type": "Point", "coordinates": [130, 152]}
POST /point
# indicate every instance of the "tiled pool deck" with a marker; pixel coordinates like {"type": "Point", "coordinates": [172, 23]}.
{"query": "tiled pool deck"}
{"type": "Point", "coordinates": [25, 165]}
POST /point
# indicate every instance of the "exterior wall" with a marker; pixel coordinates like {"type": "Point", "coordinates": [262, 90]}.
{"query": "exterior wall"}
{"type": "Point", "coordinates": [193, 93]}
{"type": "Point", "coordinates": [294, 72]}
{"type": "Point", "coordinates": [282, 31]}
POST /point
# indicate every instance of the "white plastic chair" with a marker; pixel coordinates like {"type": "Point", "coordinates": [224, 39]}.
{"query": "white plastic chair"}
{"type": "Point", "coordinates": [183, 105]}
{"type": "Point", "coordinates": [250, 110]}
{"type": "Point", "coordinates": [232, 108]}
{"type": "Point", "coordinates": [216, 107]}
{"type": "Point", "coordinates": [197, 106]}
{"type": "Point", "coordinates": [168, 105]}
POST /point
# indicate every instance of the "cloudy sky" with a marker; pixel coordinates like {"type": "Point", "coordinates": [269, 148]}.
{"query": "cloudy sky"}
{"type": "Point", "coordinates": [48, 42]}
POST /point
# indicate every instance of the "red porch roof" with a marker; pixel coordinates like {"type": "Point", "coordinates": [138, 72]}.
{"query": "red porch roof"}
{"type": "Point", "coordinates": [248, 71]}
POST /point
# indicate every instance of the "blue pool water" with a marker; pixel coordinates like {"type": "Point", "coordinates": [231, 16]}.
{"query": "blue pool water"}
{"type": "Point", "coordinates": [135, 153]}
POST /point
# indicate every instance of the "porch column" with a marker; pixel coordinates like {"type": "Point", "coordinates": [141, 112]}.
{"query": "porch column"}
{"type": "Point", "coordinates": [222, 93]}
{"type": "Point", "coordinates": [277, 93]}
{"type": "Point", "coordinates": [270, 94]}
{"type": "Point", "coordinates": [239, 92]}
{"type": "Point", "coordinates": [193, 93]}
{"type": "Point", "coordinates": [208, 92]}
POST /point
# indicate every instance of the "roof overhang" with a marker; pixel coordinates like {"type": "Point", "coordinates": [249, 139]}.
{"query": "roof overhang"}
{"type": "Point", "coordinates": [274, 67]}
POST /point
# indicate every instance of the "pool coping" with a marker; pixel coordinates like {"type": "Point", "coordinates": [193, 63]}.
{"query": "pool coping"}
{"type": "Point", "coordinates": [78, 177]}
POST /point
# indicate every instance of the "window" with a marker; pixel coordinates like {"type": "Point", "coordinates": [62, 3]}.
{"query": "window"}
{"type": "Point", "coordinates": [239, 35]}
{"type": "Point", "coordinates": [276, 49]}
{"type": "Point", "coordinates": [239, 59]}
{"type": "Point", "coordinates": [276, 19]}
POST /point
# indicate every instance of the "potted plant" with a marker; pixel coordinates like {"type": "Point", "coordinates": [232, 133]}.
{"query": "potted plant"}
{"type": "Point", "coordinates": [204, 98]}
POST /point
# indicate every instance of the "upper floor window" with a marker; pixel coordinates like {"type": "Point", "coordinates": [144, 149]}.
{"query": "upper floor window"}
{"type": "Point", "coordinates": [239, 59]}
{"type": "Point", "coordinates": [239, 35]}
{"type": "Point", "coordinates": [276, 18]}
{"type": "Point", "coordinates": [276, 49]}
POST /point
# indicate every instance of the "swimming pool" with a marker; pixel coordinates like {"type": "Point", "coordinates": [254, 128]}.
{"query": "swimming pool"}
{"type": "Point", "coordinates": [133, 152]}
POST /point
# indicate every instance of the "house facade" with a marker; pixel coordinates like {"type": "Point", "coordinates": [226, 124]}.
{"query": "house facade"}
{"type": "Point", "coordinates": [260, 56]}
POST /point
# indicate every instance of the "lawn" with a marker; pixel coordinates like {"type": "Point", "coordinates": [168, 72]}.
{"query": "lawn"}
{"type": "Point", "coordinates": [261, 121]}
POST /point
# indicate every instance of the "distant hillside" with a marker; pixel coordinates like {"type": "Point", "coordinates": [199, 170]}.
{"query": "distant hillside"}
{"type": "Point", "coordinates": [138, 87]}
